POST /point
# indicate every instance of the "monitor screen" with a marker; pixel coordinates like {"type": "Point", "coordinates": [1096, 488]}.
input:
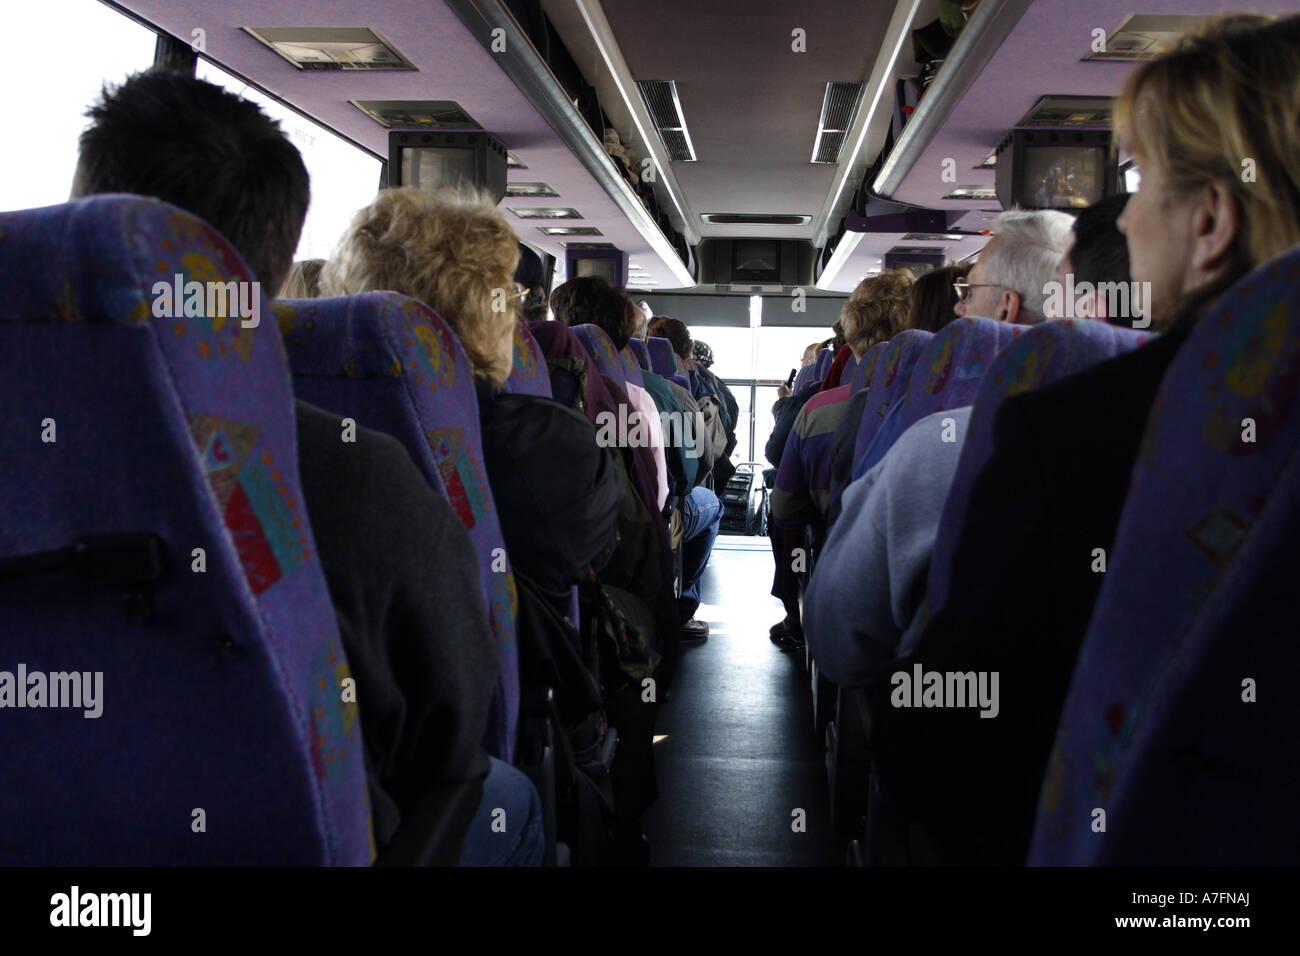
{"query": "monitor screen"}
{"type": "Point", "coordinates": [432, 167]}
{"type": "Point", "coordinates": [607, 269]}
{"type": "Point", "coordinates": [1064, 177]}
{"type": "Point", "coordinates": [756, 260]}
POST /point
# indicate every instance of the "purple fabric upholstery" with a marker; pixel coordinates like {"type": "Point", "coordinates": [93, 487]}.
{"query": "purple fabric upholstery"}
{"type": "Point", "coordinates": [889, 380]}
{"type": "Point", "coordinates": [664, 361]}
{"type": "Point", "coordinates": [1042, 354]}
{"type": "Point", "coordinates": [601, 349]}
{"type": "Point", "coordinates": [393, 365]}
{"type": "Point", "coordinates": [825, 359]}
{"type": "Point", "coordinates": [230, 700]}
{"type": "Point", "coordinates": [850, 367]}
{"type": "Point", "coordinates": [640, 352]}
{"type": "Point", "coordinates": [528, 372]}
{"type": "Point", "coordinates": [866, 368]}
{"type": "Point", "coordinates": [630, 366]}
{"type": "Point", "coordinates": [1162, 727]}
{"type": "Point", "coordinates": [945, 376]}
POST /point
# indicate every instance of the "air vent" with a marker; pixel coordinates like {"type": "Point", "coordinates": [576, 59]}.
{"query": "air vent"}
{"type": "Point", "coordinates": [548, 212]}
{"type": "Point", "coordinates": [1062, 112]}
{"type": "Point", "coordinates": [839, 104]}
{"type": "Point", "coordinates": [1144, 36]}
{"type": "Point", "coordinates": [931, 237]}
{"type": "Point", "coordinates": [417, 114]}
{"type": "Point", "coordinates": [972, 192]}
{"type": "Point", "coordinates": [753, 219]}
{"type": "Point", "coordinates": [529, 189]}
{"type": "Point", "coordinates": [513, 162]}
{"type": "Point", "coordinates": [332, 48]}
{"type": "Point", "coordinates": [665, 108]}
{"type": "Point", "coordinates": [570, 231]}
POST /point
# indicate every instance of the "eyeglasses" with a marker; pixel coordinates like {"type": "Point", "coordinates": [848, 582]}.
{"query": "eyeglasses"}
{"type": "Point", "coordinates": [962, 287]}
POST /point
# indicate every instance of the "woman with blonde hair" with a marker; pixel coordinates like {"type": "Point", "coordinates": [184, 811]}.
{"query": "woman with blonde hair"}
{"type": "Point", "coordinates": [556, 490]}
{"type": "Point", "coordinates": [453, 251]}
{"type": "Point", "coordinates": [1215, 127]}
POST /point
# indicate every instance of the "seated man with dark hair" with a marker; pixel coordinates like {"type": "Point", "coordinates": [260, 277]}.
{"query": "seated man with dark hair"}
{"type": "Point", "coordinates": [1094, 271]}
{"type": "Point", "coordinates": [400, 566]}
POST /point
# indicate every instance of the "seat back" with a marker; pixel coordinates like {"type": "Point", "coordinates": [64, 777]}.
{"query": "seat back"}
{"type": "Point", "coordinates": [1040, 355]}
{"type": "Point", "coordinates": [665, 362]}
{"type": "Point", "coordinates": [862, 373]}
{"type": "Point", "coordinates": [391, 364]}
{"type": "Point", "coordinates": [825, 359]}
{"type": "Point", "coordinates": [945, 376]}
{"type": "Point", "coordinates": [598, 345]}
{"type": "Point", "coordinates": [889, 381]}
{"type": "Point", "coordinates": [640, 352]}
{"type": "Point", "coordinates": [528, 374]}
{"type": "Point", "coordinates": [631, 367]}
{"type": "Point", "coordinates": [1180, 719]}
{"type": "Point", "coordinates": [223, 735]}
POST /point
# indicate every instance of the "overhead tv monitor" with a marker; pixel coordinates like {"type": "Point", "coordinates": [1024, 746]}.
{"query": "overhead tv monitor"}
{"type": "Point", "coordinates": [916, 261]}
{"type": "Point", "coordinates": [756, 260]}
{"type": "Point", "coordinates": [609, 264]}
{"type": "Point", "coordinates": [432, 161]}
{"type": "Point", "coordinates": [1063, 169]}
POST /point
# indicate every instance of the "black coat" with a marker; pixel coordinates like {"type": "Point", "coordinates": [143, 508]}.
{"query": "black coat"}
{"type": "Point", "coordinates": [404, 580]}
{"type": "Point", "coordinates": [1021, 593]}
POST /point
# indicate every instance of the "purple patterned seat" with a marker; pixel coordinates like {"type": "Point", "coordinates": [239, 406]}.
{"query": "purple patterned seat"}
{"type": "Point", "coordinates": [630, 366]}
{"type": "Point", "coordinates": [1040, 355]}
{"type": "Point", "coordinates": [528, 375]}
{"type": "Point", "coordinates": [601, 349]}
{"type": "Point", "coordinates": [640, 352]}
{"type": "Point", "coordinates": [863, 371]}
{"type": "Point", "coordinates": [393, 365]}
{"type": "Point", "coordinates": [223, 736]}
{"type": "Point", "coordinates": [945, 376]}
{"type": "Point", "coordinates": [664, 361]}
{"type": "Point", "coordinates": [812, 374]}
{"type": "Point", "coordinates": [1181, 716]}
{"type": "Point", "coordinates": [889, 381]}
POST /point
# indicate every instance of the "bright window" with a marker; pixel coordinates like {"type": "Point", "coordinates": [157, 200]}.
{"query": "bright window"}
{"type": "Point", "coordinates": [343, 177]}
{"type": "Point", "coordinates": [45, 100]}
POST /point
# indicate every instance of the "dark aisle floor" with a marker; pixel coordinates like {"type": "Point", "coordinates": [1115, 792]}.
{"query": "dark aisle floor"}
{"type": "Point", "coordinates": [738, 753]}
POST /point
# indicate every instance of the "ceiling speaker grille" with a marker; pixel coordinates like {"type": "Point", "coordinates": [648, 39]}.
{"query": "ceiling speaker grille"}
{"type": "Point", "coordinates": [838, 106]}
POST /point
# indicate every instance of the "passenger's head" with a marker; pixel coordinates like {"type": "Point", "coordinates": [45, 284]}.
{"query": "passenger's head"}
{"type": "Point", "coordinates": [1099, 258]}
{"type": "Point", "coordinates": [877, 310]}
{"type": "Point", "coordinates": [530, 277]}
{"type": "Point", "coordinates": [810, 353]}
{"type": "Point", "coordinates": [590, 300]}
{"type": "Point", "coordinates": [192, 144]}
{"type": "Point", "coordinates": [452, 250]}
{"type": "Point", "coordinates": [702, 354]}
{"type": "Point", "coordinates": [303, 281]}
{"type": "Point", "coordinates": [1007, 283]}
{"type": "Point", "coordinates": [675, 331]}
{"type": "Point", "coordinates": [934, 298]}
{"type": "Point", "coordinates": [1214, 128]}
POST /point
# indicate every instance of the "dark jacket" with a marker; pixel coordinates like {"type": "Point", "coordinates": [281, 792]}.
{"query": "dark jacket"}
{"type": "Point", "coordinates": [404, 579]}
{"type": "Point", "coordinates": [786, 411]}
{"type": "Point", "coordinates": [1022, 591]}
{"type": "Point", "coordinates": [556, 490]}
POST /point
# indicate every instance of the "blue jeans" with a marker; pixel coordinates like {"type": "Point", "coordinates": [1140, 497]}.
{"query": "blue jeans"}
{"type": "Point", "coordinates": [510, 801]}
{"type": "Point", "coordinates": [701, 516]}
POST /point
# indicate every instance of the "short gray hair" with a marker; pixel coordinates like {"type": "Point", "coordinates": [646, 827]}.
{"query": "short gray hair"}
{"type": "Point", "coordinates": [1033, 241]}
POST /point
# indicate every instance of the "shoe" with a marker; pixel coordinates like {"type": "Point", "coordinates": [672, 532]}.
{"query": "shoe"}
{"type": "Point", "coordinates": [694, 630]}
{"type": "Point", "coordinates": [787, 639]}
